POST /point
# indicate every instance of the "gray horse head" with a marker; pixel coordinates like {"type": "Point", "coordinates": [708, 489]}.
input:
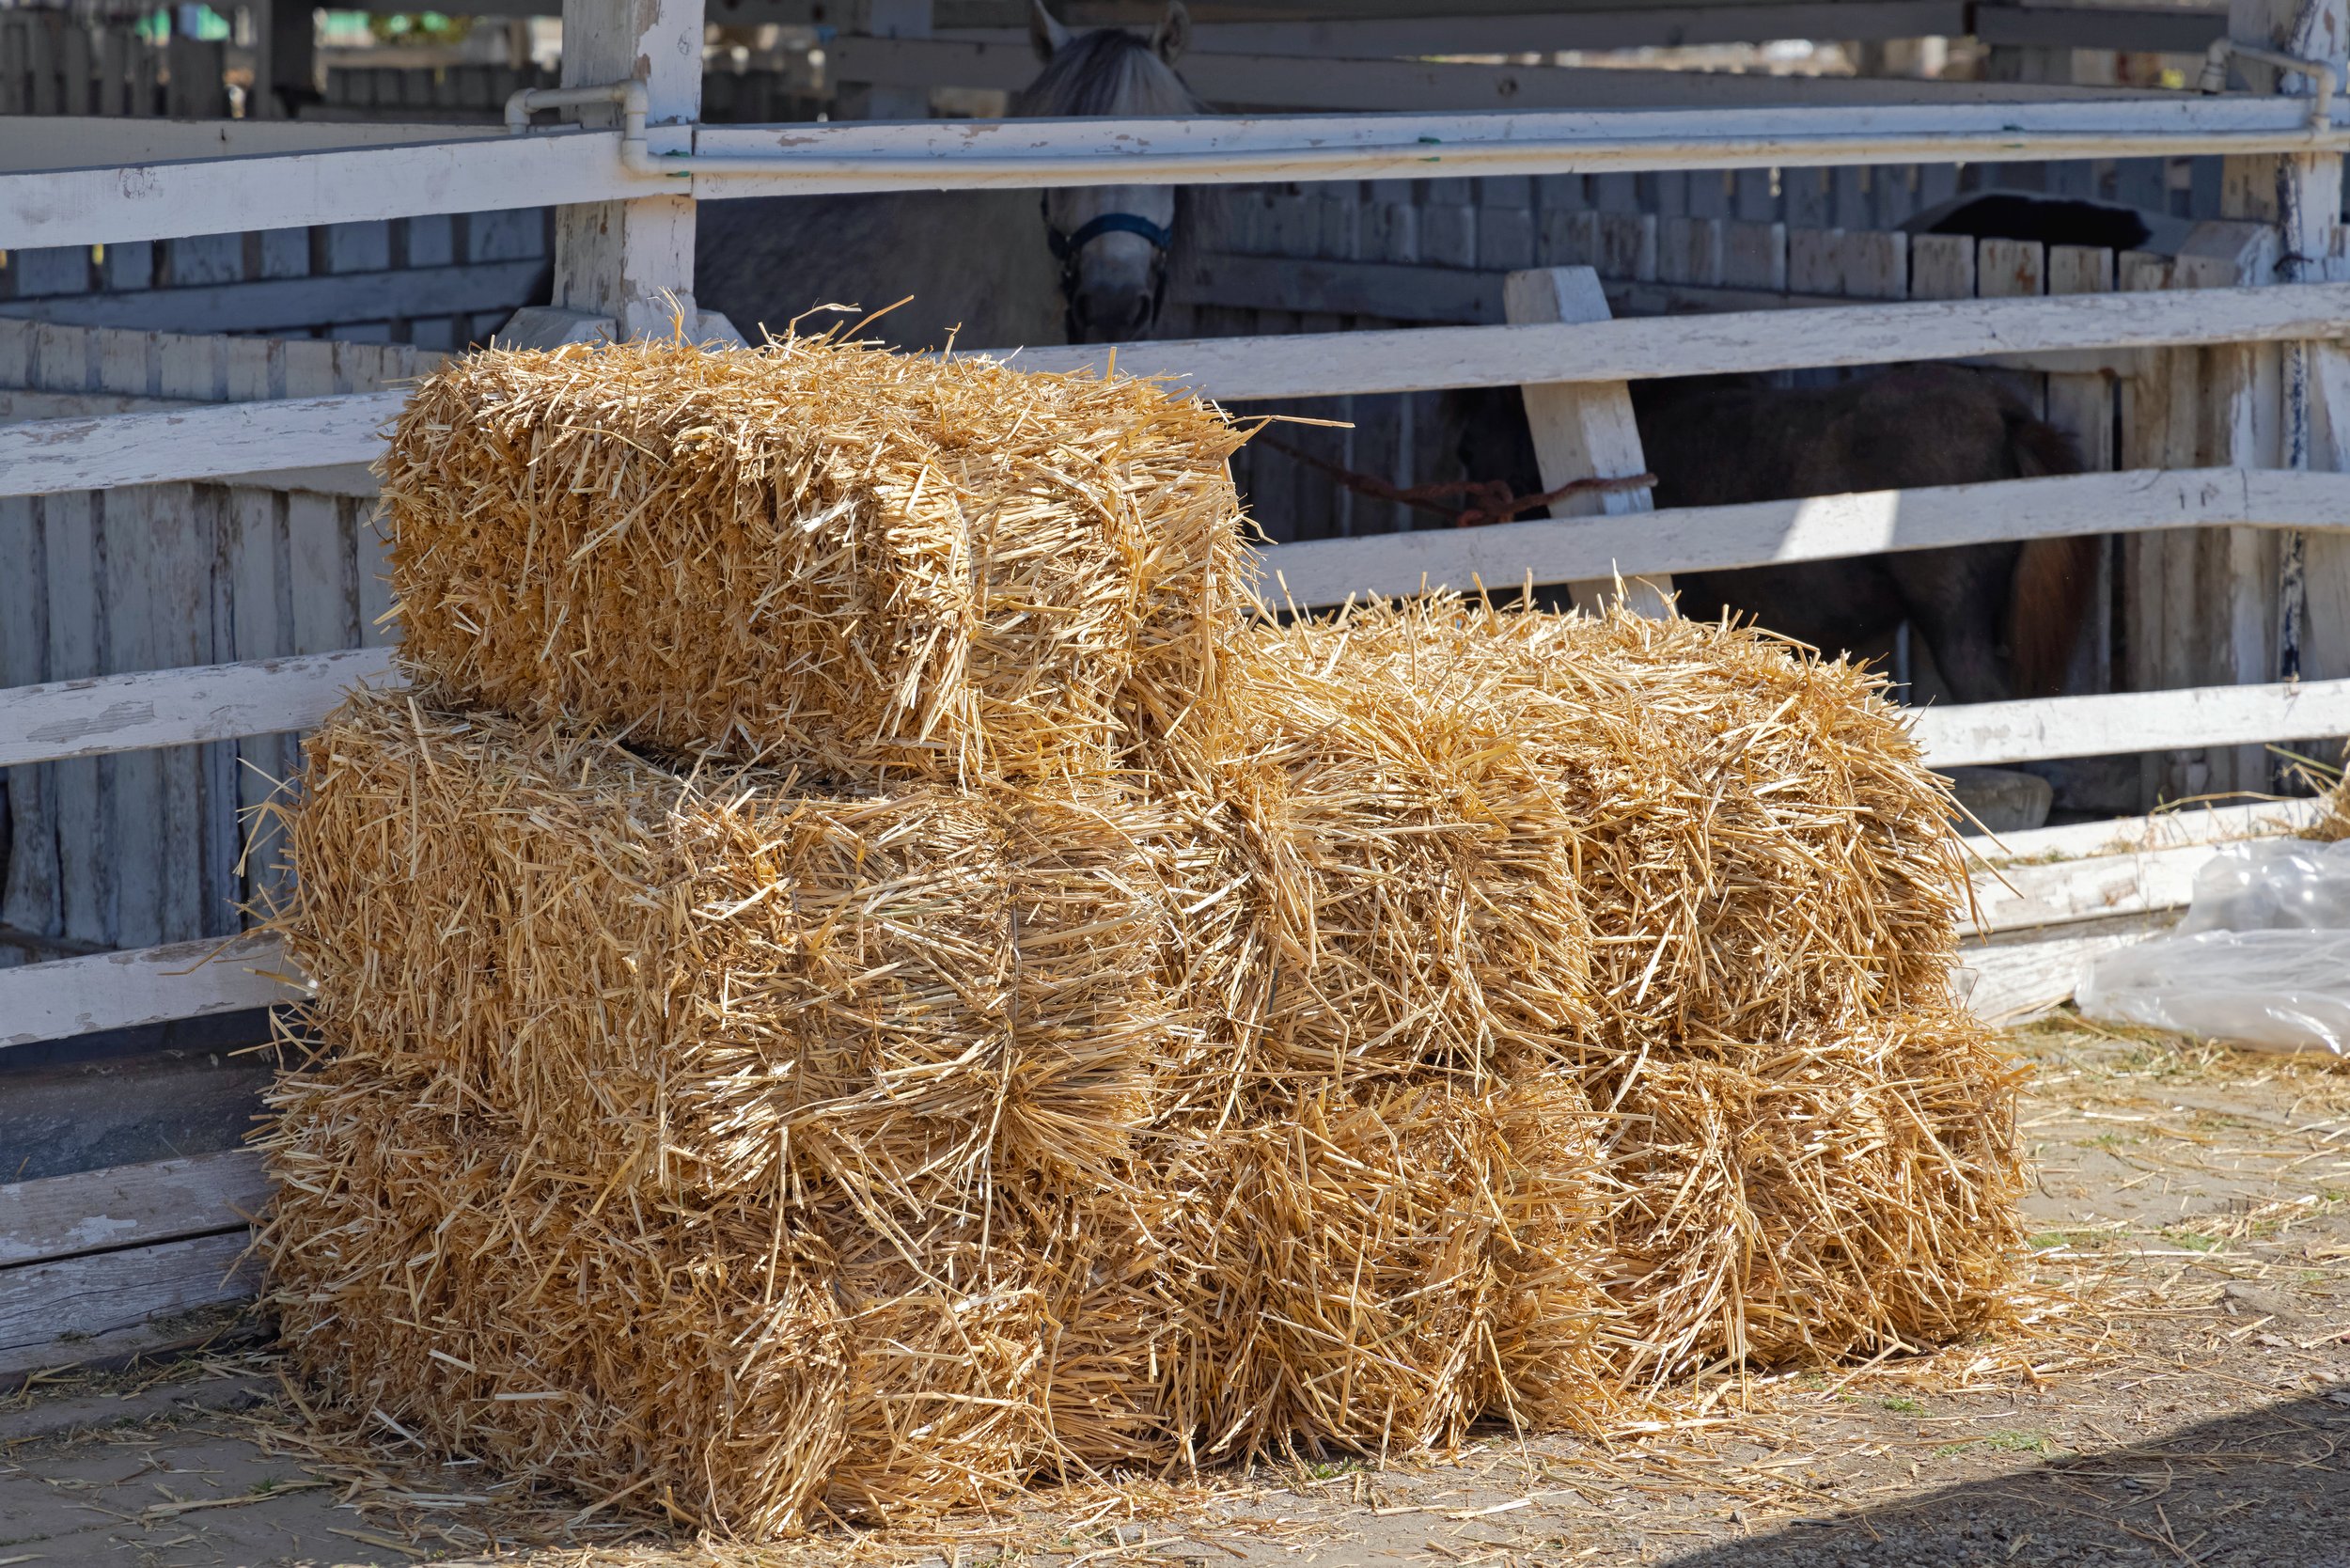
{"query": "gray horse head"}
{"type": "Point", "coordinates": [1113, 242]}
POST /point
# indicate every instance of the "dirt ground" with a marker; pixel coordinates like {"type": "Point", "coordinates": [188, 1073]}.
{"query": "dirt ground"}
{"type": "Point", "coordinates": [2179, 1393]}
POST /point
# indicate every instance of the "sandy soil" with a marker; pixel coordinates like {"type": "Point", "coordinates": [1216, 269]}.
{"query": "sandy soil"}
{"type": "Point", "coordinates": [2182, 1395]}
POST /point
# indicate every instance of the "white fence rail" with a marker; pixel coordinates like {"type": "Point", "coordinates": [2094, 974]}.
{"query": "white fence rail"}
{"type": "Point", "coordinates": [48, 455]}
{"type": "Point", "coordinates": [439, 174]}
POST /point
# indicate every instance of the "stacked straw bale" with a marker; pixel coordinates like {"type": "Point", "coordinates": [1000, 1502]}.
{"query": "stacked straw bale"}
{"type": "Point", "coordinates": [1020, 1015]}
{"type": "Point", "coordinates": [723, 981]}
{"type": "Point", "coordinates": [1702, 879]}
{"type": "Point", "coordinates": [748, 1368]}
{"type": "Point", "coordinates": [865, 565]}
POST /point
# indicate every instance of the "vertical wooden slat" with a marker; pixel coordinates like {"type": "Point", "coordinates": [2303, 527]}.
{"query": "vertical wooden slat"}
{"type": "Point", "coordinates": [29, 898]}
{"type": "Point", "coordinates": [201, 890]}
{"type": "Point", "coordinates": [1447, 238]}
{"type": "Point", "coordinates": [259, 621]}
{"type": "Point", "coordinates": [1941, 267]}
{"type": "Point", "coordinates": [132, 784]}
{"type": "Point", "coordinates": [2082, 405]}
{"type": "Point", "coordinates": [1754, 256]}
{"type": "Point", "coordinates": [1384, 442]}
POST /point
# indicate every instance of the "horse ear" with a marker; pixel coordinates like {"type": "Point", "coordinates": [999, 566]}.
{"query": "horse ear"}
{"type": "Point", "coordinates": [1047, 37]}
{"type": "Point", "coordinates": [1172, 36]}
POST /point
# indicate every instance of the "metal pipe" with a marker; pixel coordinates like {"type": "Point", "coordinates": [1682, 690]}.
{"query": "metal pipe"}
{"type": "Point", "coordinates": [2214, 76]}
{"type": "Point", "coordinates": [629, 95]}
{"type": "Point", "coordinates": [1426, 157]}
{"type": "Point", "coordinates": [1411, 161]}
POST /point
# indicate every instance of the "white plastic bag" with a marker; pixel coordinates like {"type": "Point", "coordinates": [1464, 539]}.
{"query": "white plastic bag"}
{"type": "Point", "coordinates": [2263, 958]}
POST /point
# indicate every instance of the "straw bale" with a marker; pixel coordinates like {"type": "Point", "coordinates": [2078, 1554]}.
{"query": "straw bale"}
{"type": "Point", "coordinates": [1457, 837]}
{"type": "Point", "coordinates": [1807, 1199]}
{"type": "Point", "coordinates": [867, 565]}
{"type": "Point", "coordinates": [724, 983]}
{"type": "Point", "coordinates": [1384, 1271]}
{"type": "Point", "coordinates": [435, 1273]}
{"type": "Point", "coordinates": [750, 1368]}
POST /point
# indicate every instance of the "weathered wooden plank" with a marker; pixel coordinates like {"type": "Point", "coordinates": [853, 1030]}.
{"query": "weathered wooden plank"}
{"type": "Point", "coordinates": [2012, 982]}
{"type": "Point", "coordinates": [133, 522]}
{"type": "Point", "coordinates": [280, 304]}
{"type": "Point", "coordinates": [147, 985]}
{"type": "Point", "coordinates": [130, 1205]}
{"type": "Point", "coordinates": [102, 715]}
{"type": "Point", "coordinates": [2196, 824]}
{"type": "Point", "coordinates": [456, 173]}
{"type": "Point", "coordinates": [151, 200]}
{"type": "Point", "coordinates": [88, 141]}
{"type": "Point", "coordinates": [2023, 896]}
{"type": "Point", "coordinates": [46, 457]}
{"type": "Point", "coordinates": [196, 897]}
{"type": "Point", "coordinates": [40, 1304]}
{"type": "Point", "coordinates": [1581, 430]}
{"type": "Point", "coordinates": [2118, 722]}
{"type": "Point", "coordinates": [1823, 527]}
{"type": "Point", "coordinates": [29, 900]}
{"type": "Point", "coordinates": [1941, 267]}
{"type": "Point", "coordinates": [1643, 348]}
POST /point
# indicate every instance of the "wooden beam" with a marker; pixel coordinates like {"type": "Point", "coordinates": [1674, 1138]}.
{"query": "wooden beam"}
{"type": "Point", "coordinates": [164, 200]}
{"type": "Point", "coordinates": [2026, 897]}
{"type": "Point", "coordinates": [1823, 527]}
{"type": "Point", "coordinates": [1309, 365]}
{"type": "Point", "coordinates": [45, 457]}
{"type": "Point", "coordinates": [149, 985]}
{"type": "Point", "coordinates": [51, 456]}
{"type": "Point", "coordinates": [277, 304]}
{"type": "Point", "coordinates": [93, 141]}
{"type": "Point", "coordinates": [1584, 430]}
{"type": "Point", "coordinates": [859, 155]}
{"type": "Point", "coordinates": [130, 1205]}
{"type": "Point", "coordinates": [104, 714]}
{"type": "Point", "coordinates": [2008, 983]}
{"type": "Point", "coordinates": [2120, 722]}
{"type": "Point", "coordinates": [87, 1298]}
{"type": "Point", "coordinates": [2193, 824]}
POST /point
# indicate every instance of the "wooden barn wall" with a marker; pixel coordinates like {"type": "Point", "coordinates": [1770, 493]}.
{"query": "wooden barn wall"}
{"type": "Point", "coordinates": [147, 847]}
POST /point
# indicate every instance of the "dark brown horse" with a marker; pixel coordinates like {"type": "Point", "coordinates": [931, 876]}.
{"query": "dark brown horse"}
{"type": "Point", "coordinates": [1999, 621]}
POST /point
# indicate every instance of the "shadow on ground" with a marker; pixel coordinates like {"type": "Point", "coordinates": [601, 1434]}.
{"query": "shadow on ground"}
{"type": "Point", "coordinates": [2267, 1489]}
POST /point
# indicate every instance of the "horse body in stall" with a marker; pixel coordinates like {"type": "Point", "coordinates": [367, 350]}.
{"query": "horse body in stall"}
{"type": "Point", "coordinates": [1998, 620]}
{"type": "Point", "coordinates": [983, 269]}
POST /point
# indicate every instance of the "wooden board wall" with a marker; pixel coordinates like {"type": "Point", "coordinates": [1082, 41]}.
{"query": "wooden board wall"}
{"type": "Point", "coordinates": [145, 847]}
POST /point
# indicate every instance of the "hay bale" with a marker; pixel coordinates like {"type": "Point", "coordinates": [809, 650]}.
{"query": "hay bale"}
{"type": "Point", "coordinates": [438, 1275]}
{"type": "Point", "coordinates": [1803, 1201]}
{"type": "Point", "coordinates": [748, 1368]}
{"type": "Point", "coordinates": [1382, 1272]}
{"type": "Point", "coordinates": [722, 982]}
{"type": "Point", "coordinates": [1454, 838]}
{"type": "Point", "coordinates": [868, 566]}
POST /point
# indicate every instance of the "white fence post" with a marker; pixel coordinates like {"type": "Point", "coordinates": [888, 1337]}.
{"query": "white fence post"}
{"type": "Point", "coordinates": [1583, 430]}
{"type": "Point", "coordinates": [630, 262]}
{"type": "Point", "coordinates": [2301, 194]}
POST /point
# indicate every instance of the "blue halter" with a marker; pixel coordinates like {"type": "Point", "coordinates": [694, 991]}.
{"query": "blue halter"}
{"type": "Point", "coordinates": [1066, 248]}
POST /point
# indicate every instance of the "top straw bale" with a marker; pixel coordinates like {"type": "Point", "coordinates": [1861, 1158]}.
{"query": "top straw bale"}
{"type": "Point", "coordinates": [873, 567]}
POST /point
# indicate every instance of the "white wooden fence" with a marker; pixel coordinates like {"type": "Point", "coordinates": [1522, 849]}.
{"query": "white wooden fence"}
{"type": "Point", "coordinates": [55, 1282]}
